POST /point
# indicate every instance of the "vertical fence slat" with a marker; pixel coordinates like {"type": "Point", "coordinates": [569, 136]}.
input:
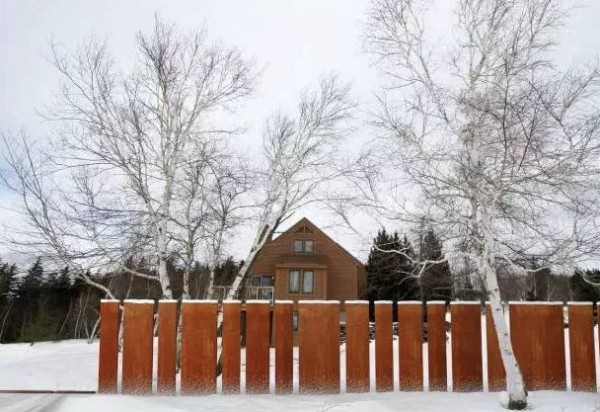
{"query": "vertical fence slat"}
{"type": "Point", "coordinates": [199, 347]}
{"type": "Point", "coordinates": [109, 346]}
{"type": "Point", "coordinates": [231, 346]}
{"type": "Point", "coordinates": [284, 349]}
{"type": "Point", "coordinates": [384, 355]}
{"type": "Point", "coordinates": [581, 338]}
{"type": "Point", "coordinates": [258, 336]}
{"type": "Point", "coordinates": [466, 347]}
{"type": "Point", "coordinates": [138, 323]}
{"type": "Point", "coordinates": [319, 328]}
{"type": "Point", "coordinates": [357, 346]}
{"type": "Point", "coordinates": [167, 346]}
{"type": "Point", "coordinates": [537, 336]}
{"type": "Point", "coordinates": [495, 368]}
{"type": "Point", "coordinates": [410, 345]}
{"type": "Point", "coordinates": [436, 345]}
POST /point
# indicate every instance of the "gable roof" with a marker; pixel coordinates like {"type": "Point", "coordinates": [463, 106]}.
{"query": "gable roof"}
{"type": "Point", "coordinates": [305, 222]}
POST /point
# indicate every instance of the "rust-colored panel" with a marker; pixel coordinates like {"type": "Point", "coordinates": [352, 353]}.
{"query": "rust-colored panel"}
{"type": "Point", "coordinates": [410, 345]}
{"type": "Point", "coordinates": [284, 349]}
{"type": "Point", "coordinates": [436, 346]}
{"type": "Point", "coordinates": [319, 329]}
{"type": "Point", "coordinates": [109, 347]}
{"type": "Point", "coordinates": [357, 347]}
{"type": "Point", "coordinates": [167, 346]}
{"type": "Point", "coordinates": [138, 324]}
{"type": "Point", "coordinates": [384, 352]}
{"type": "Point", "coordinates": [537, 336]}
{"type": "Point", "coordinates": [258, 333]}
{"type": "Point", "coordinates": [467, 373]}
{"type": "Point", "coordinates": [581, 338]}
{"type": "Point", "coordinates": [199, 347]}
{"type": "Point", "coordinates": [496, 374]}
{"type": "Point", "coordinates": [231, 346]}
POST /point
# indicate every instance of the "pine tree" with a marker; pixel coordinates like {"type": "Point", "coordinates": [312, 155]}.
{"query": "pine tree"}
{"type": "Point", "coordinates": [390, 268]}
{"type": "Point", "coordinates": [436, 278]}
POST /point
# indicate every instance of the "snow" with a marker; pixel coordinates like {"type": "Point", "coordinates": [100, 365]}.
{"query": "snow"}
{"type": "Point", "coordinates": [72, 365]}
{"type": "Point", "coordinates": [319, 302]}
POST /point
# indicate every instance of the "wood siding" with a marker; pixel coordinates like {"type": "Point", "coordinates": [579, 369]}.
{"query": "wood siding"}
{"type": "Point", "coordinates": [337, 275]}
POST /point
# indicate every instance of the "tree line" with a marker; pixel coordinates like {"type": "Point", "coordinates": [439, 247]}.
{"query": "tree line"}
{"type": "Point", "coordinates": [41, 304]}
{"type": "Point", "coordinates": [398, 270]}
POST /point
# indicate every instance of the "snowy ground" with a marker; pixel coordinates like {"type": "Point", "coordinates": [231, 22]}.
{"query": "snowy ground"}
{"type": "Point", "coordinates": [71, 365]}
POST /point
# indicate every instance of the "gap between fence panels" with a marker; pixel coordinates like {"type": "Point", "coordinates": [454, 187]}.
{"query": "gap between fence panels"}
{"type": "Point", "coordinates": [316, 341]}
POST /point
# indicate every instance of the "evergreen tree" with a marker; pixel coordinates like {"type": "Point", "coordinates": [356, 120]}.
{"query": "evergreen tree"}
{"type": "Point", "coordinates": [390, 268]}
{"type": "Point", "coordinates": [436, 278]}
{"type": "Point", "coordinates": [585, 290]}
{"type": "Point", "coordinates": [34, 278]}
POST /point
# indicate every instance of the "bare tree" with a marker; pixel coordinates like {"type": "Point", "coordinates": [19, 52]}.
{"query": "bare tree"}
{"type": "Point", "coordinates": [300, 153]}
{"type": "Point", "coordinates": [136, 149]}
{"type": "Point", "coordinates": [491, 143]}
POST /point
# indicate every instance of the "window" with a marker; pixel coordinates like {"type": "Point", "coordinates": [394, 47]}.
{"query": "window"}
{"type": "Point", "coordinates": [304, 246]}
{"type": "Point", "coordinates": [294, 285]}
{"type": "Point", "coordinates": [261, 280]}
{"type": "Point", "coordinates": [308, 281]}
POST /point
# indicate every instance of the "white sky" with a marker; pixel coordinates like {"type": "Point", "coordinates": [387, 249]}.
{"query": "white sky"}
{"type": "Point", "coordinates": [294, 41]}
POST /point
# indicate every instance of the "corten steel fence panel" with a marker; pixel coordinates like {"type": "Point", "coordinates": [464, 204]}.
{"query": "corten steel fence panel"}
{"type": "Point", "coordinates": [284, 349]}
{"type": "Point", "coordinates": [495, 368]}
{"type": "Point", "coordinates": [319, 329]}
{"type": "Point", "coordinates": [167, 346]}
{"type": "Point", "coordinates": [138, 324]}
{"type": "Point", "coordinates": [199, 347]}
{"type": "Point", "coordinates": [467, 374]}
{"type": "Point", "coordinates": [537, 335]}
{"type": "Point", "coordinates": [436, 345]}
{"type": "Point", "coordinates": [231, 346]}
{"type": "Point", "coordinates": [410, 345]}
{"type": "Point", "coordinates": [357, 346]}
{"type": "Point", "coordinates": [384, 352]}
{"type": "Point", "coordinates": [258, 337]}
{"type": "Point", "coordinates": [581, 338]}
{"type": "Point", "coordinates": [109, 346]}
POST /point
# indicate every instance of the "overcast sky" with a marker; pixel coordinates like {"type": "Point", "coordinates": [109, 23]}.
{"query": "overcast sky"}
{"type": "Point", "coordinates": [293, 41]}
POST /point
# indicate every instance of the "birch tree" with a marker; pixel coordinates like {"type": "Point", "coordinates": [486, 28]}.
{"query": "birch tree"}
{"type": "Point", "coordinates": [300, 153]}
{"type": "Point", "coordinates": [487, 140]}
{"type": "Point", "coordinates": [136, 149]}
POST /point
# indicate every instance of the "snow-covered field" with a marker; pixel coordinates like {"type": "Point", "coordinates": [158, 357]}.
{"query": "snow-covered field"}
{"type": "Point", "coordinates": [72, 365]}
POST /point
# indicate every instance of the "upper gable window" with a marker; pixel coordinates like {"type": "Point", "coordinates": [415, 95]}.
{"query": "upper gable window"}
{"type": "Point", "coordinates": [304, 246]}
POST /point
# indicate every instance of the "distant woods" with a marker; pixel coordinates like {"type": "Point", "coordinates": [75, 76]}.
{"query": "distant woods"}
{"type": "Point", "coordinates": [398, 269]}
{"type": "Point", "coordinates": [39, 304]}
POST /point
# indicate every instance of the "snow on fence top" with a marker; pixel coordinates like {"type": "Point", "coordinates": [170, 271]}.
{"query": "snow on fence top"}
{"type": "Point", "coordinates": [410, 302]}
{"type": "Point", "coordinates": [232, 301]}
{"type": "Point", "coordinates": [580, 303]}
{"type": "Point", "coordinates": [383, 302]}
{"type": "Point", "coordinates": [258, 302]}
{"type": "Point", "coordinates": [356, 302]}
{"type": "Point", "coordinates": [140, 301]}
{"type": "Point", "coordinates": [436, 302]}
{"type": "Point", "coordinates": [167, 301]}
{"type": "Point", "coordinates": [199, 302]}
{"type": "Point", "coordinates": [465, 302]}
{"type": "Point", "coordinates": [319, 302]}
{"type": "Point", "coordinates": [109, 300]}
{"type": "Point", "coordinates": [285, 302]}
{"type": "Point", "coordinates": [519, 302]}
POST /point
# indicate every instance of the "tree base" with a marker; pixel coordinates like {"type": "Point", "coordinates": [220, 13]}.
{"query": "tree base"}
{"type": "Point", "coordinates": [516, 405]}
